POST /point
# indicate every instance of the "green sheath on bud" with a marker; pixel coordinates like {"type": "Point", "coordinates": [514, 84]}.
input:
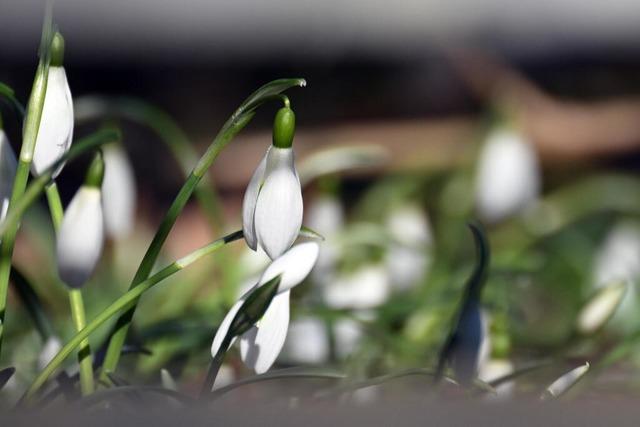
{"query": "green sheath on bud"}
{"type": "Point", "coordinates": [254, 307]}
{"type": "Point", "coordinates": [57, 50]}
{"type": "Point", "coordinates": [95, 173]}
{"type": "Point", "coordinates": [284, 126]}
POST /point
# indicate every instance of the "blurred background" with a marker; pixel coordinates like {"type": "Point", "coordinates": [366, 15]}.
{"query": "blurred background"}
{"type": "Point", "coordinates": [522, 115]}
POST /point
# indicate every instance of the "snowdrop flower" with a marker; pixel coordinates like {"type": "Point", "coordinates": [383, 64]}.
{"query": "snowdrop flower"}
{"type": "Point", "coordinates": [8, 167]}
{"type": "Point", "coordinates": [493, 369]}
{"type": "Point", "coordinates": [272, 205]}
{"type": "Point", "coordinates": [56, 124]}
{"type": "Point", "coordinates": [508, 176]}
{"type": "Point", "coordinates": [365, 288]}
{"type": "Point", "coordinates": [81, 235]}
{"type": "Point", "coordinates": [407, 257]}
{"type": "Point", "coordinates": [118, 192]}
{"type": "Point", "coordinates": [326, 216]}
{"type": "Point", "coordinates": [261, 344]}
{"type": "Point", "coordinates": [618, 260]}
{"type": "Point", "coordinates": [599, 309]}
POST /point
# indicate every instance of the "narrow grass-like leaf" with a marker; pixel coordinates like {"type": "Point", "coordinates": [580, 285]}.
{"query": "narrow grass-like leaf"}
{"type": "Point", "coordinates": [8, 93]}
{"type": "Point", "coordinates": [340, 159]}
{"type": "Point", "coordinates": [472, 292]}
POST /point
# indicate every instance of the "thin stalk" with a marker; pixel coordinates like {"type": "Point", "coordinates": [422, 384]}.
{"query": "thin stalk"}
{"type": "Point", "coordinates": [124, 303]}
{"type": "Point", "coordinates": [31, 126]}
{"type": "Point", "coordinates": [238, 120]}
{"type": "Point", "coordinates": [76, 301]}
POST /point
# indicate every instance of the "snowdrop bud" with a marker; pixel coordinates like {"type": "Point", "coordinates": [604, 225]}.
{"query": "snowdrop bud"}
{"type": "Point", "coordinates": [508, 176]}
{"type": "Point", "coordinates": [56, 124]}
{"type": "Point", "coordinates": [565, 382]}
{"type": "Point", "coordinates": [118, 192]}
{"type": "Point", "coordinates": [8, 167]}
{"type": "Point", "coordinates": [81, 235]}
{"type": "Point", "coordinates": [600, 308]}
{"type": "Point", "coordinates": [272, 205]}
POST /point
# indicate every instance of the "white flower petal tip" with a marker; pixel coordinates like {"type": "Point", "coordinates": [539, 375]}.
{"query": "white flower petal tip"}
{"type": "Point", "coordinates": [565, 382]}
{"type": "Point", "coordinates": [508, 176]}
{"type": "Point", "coordinates": [272, 206]}
{"type": "Point", "coordinates": [81, 237]}
{"type": "Point", "coordinates": [294, 265]}
{"type": "Point", "coordinates": [8, 166]}
{"type": "Point", "coordinates": [600, 308]}
{"type": "Point", "coordinates": [223, 329]}
{"type": "Point", "coordinates": [261, 345]}
{"type": "Point", "coordinates": [49, 350]}
{"type": "Point", "coordinates": [118, 192]}
{"type": "Point", "coordinates": [365, 288]}
{"type": "Point", "coordinates": [56, 124]}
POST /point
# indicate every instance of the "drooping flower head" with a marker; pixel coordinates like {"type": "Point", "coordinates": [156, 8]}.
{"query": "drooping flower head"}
{"type": "Point", "coordinates": [56, 124]}
{"type": "Point", "coordinates": [260, 345]}
{"type": "Point", "coordinates": [81, 236]}
{"type": "Point", "coordinates": [118, 192]}
{"type": "Point", "coordinates": [508, 177]}
{"type": "Point", "coordinates": [272, 205]}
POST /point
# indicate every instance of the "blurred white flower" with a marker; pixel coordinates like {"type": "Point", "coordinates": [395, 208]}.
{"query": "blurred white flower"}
{"type": "Point", "coordinates": [367, 287]}
{"type": "Point", "coordinates": [326, 216]}
{"type": "Point", "coordinates": [8, 165]}
{"type": "Point", "coordinates": [118, 192]}
{"type": "Point", "coordinates": [261, 344]}
{"type": "Point", "coordinates": [599, 309]}
{"type": "Point", "coordinates": [49, 350]}
{"type": "Point", "coordinates": [81, 237]}
{"type": "Point", "coordinates": [56, 124]}
{"type": "Point", "coordinates": [618, 260]}
{"type": "Point", "coordinates": [508, 176]}
{"type": "Point", "coordinates": [407, 257]}
{"type": "Point", "coordinates": [347, 334]}
{"type": "Point", "coordinates": [272, 206]}
{"type": "Point", "coordinates": [307, 342]}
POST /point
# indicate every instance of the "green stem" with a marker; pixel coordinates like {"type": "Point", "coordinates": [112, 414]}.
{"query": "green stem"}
{"type": "Point", "coordinates": [76, 301]}
{"type": "Point", "coordinates": [124, 303]}
{"type": "Point", "coordinates": [230, 129]}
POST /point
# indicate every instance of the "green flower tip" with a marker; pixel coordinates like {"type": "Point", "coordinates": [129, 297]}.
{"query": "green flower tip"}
{"type": "Point", "coordinates": [95, 173]}
{"type": "Point", "coordinates": [284, 127]}
{"type": "Point", "coordinates": [57, 50]}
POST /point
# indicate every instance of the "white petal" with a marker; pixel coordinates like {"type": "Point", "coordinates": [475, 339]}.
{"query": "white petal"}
{"type": "Point", "coordinates": [278, 215]}
{"type": "Point", "coordinates": [81, 237]}
{"type": "Point", "coordinates": [224, 327]}
{"type": "Point", "coordinates": [508, 177]}
{"type": "Point", "coordinates": [8, 165]}
{"type": "Point", "coordinates": [294, 266]}
{"type": "Point", "coordinates": [118, 192]}
{"type": "Point", "coordinates": [260, 346]}
{"type": "Point", "coordinates": [249, 203]}
{"type": "Point", "coordinates": [600, 308]}
{"type": "Point", "coordinates": [56, 125]}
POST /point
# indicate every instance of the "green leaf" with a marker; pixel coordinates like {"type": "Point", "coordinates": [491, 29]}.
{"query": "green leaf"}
{"type": "Point", "coordinates": [310, 233]}
{"type": "Point", "coordinates": [31, 302]}
{"type": "Point", "coordinates": [267, 92]}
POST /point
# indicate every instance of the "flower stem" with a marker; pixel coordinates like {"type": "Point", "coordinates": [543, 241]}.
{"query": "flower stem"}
{"type": "Point", "coordinates": [124, 303]}
{"type": "Point", "coordinates": [76, 301]}
{"type": "Point", "coordinates": [31, 126]}
{"type": "Point", "coordinates": [238, 120]}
